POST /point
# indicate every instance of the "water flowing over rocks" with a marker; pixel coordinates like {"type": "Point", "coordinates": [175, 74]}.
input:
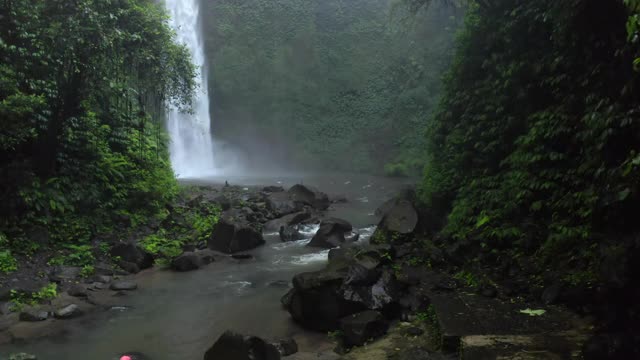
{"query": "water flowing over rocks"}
{"type": "Point", "coordinates": [332, 233]}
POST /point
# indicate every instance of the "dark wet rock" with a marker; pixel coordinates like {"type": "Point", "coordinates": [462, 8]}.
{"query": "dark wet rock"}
{"type": "Point", "coordinates": [189, 248]}
{"type": "Point", "coordinates": [331, 234]}
{"type": "Point", "coordinates": [489, 291]}
{"type": "Point", "coordinates": [26, 287]}
{"type": "Point", "coordinates": [307, 195]}
{"type": "Point", "coordinates": [287, 299]}
{"type": "Point", "coordinates": [358, 274]}
{"type": "Point", "coordinates": [124, 285]}
{"type": "Point", "coordinates": [338, 224]}
{"type": "Point", "coordinates": [77, 290]}
{"type": "Point", "coordinates": [339, 199]}
{"type": "Point", "coordinates": [281, 204]}
{"type": "Point", "coordinates": [278, 284]}
{"type": "Point", "coordinates": [129, 267]}
{"type": "Point", "coordinates": [131, 253]}
{"type": "Point", "coordinates": [103, 269]}
{"type": "Point", "coordinates": [413, 275]}
{"type": "Point", "coordinates": [339, 254]}
{"type": "Point", "coordinates": [417, 353]}
{"type": "Point", "coordinates": [22, 356]}
{"type": "Point", "coordinates": [68, 312]}
{"type": "Point", "coordinates": [273, 189]}
{"type": "Point", "coordinates": [286, 347]}
{"type": "Point", "coordinates": [351, 237]}
{"type": "Point", "coordinates": [612, 346]}
{"type": "Point", "coordinates": [223, 201]}
{"type": "Point", "coordinates": [287, 220]}
{"type": "Point", "coordinates": [98, 286]}
{"type": "Point", "coordinates": [104, 279]}
{"type": "Point", "coordinates": [414, 331]}
{"type": "Point", "coordinates": [31, 314]}
{"type": "Point", "coordinates": [290, 233]}
{"type": "Point", "coordinates": [235, 235]}
{"type": "Point", "coordinates": [62, 273]}
{"type": "Point", "coordinates": [357, 329]}
{"type": "Point", "coordinates": [5, 308]}
{"type": "Point", "coordinates": [242, 256]}
{"type": "Point", "coordinates": [400, 219]}
{"type": "Point", "coordinates": [379, 296]}
{"type": "Point", "coordinates": [206, 256]}
{"type": "Point", "coordinates": [415, 299]}
{"type": "Point", "coordinates": [551, 294]}
{"type": "Point", "coordinates": [188, 261]}
{"type": "Point", "coordinates": [315, 301]}
{"type": "Point", "coordinates": [232, 346]}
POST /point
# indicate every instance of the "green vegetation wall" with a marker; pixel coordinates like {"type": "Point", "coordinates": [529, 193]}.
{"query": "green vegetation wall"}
{"type": "Point", "coordinates": [326, 83]}
{"type": "Point", "coordinates": [534, 152]}
{"type": "Point", "coordinates": [83, 85]}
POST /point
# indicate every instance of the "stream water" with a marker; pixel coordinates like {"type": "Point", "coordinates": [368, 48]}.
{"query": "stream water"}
{"type": "Point", "coordinates": [177, 316]}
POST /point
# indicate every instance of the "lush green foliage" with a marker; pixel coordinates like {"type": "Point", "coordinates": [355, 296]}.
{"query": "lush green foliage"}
{"type": "Point", "coordinates": [535, 148]}
{"type": "Point", "coordinates": [633, 27]}
{"type": "Point", "coordinates": [185, 225]}
{"type": "Point", "coordinates": [83, 85]}
{"type": "Point", "coordinates": [46, 293]}
{"type": "Point", "coordinates": [327, 83]}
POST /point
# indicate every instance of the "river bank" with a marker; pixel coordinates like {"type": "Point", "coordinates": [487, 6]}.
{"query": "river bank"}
{"type": "Point", "coordinates": [208, 301]}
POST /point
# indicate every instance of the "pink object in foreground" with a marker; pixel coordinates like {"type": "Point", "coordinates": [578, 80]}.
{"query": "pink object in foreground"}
{"type": "Point", "coordinates": [126, 357]}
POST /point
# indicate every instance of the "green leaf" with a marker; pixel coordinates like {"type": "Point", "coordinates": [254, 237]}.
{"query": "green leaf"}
{"type": "Point", "coordinates": [531, 312]}
{"type": "Point", "coordinates": [482, 221]}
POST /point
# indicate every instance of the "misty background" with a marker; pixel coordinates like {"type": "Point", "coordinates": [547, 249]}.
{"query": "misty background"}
{"type": "Point", "coordinates": [325, 84]}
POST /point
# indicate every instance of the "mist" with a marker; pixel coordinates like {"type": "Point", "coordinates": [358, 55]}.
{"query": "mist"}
{"type": "Point", "coordinates": [323, 85]}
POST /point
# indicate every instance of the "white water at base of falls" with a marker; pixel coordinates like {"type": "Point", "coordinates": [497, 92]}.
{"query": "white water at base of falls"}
{"type": "Point", "coordinates": [192, 147]}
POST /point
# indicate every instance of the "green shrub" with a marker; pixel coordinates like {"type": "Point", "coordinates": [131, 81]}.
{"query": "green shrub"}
{"type": "Point", "coordinates": [160, 244]}
{"type": "Point", "coordinates": [7, 262]}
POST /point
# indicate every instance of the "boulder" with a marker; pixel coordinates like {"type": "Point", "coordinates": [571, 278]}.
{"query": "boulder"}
{"type": "Point", "coordinates": [286, 347]}
{"type": "Point", "coordinates": [104, 279]}
{"type": "Point", "coordinates": [124, 286]}
{"type": "Point", "coordinates": [331, 234]}
{"type": "Point", "coordinates": [287, 220]}
{"type": "Point", "coordinates": [223, 201]}
{"type": "Point", "coordinates": [383, 294]}
{"type": "Point", "coordinates": [68, 312]}
{"type": "Point", "coordinates": [129, 267]}
{"type": "Point", "coordinates": [234, 235]}
{"type": "Point", "coordinates": [134, 254]}
{"type": "Point", "coordinates": [291, 233]}
{"type": "Point", "coordinates": [316, 301]}
{"type": "Point", "coordinates": [77, 290]}
{"type": "Point", "coordinates": [357, 329]}
{"type": "Point", "coordinates": [188, 261]}
{"type": "Point", "coordinates": [306, 195]}
{"type": "Point", "coordinates": [232, 346]}
{"type": "Point", "coordinates": [206, 256]}
{"type": "Point", "coordinates": [281, 204]}
{"type": "Point", "coordinates": [62, 273]}
{"type": "Point", "coordinates": [31, 314]}
{"type": "Point", "coordinates": [399, 220]}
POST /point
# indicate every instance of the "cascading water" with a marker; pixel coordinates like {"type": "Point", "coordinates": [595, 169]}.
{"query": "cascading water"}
{"type": "Point", "coordinates": [191, 149]}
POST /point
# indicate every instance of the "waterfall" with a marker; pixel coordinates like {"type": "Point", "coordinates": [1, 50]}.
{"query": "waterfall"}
{"type": "Point", "coordinates": [191, 148]}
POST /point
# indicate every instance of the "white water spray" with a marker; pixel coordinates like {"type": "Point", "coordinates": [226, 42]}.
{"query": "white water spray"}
{"type": "Point", "coordinates": [191, 149]}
